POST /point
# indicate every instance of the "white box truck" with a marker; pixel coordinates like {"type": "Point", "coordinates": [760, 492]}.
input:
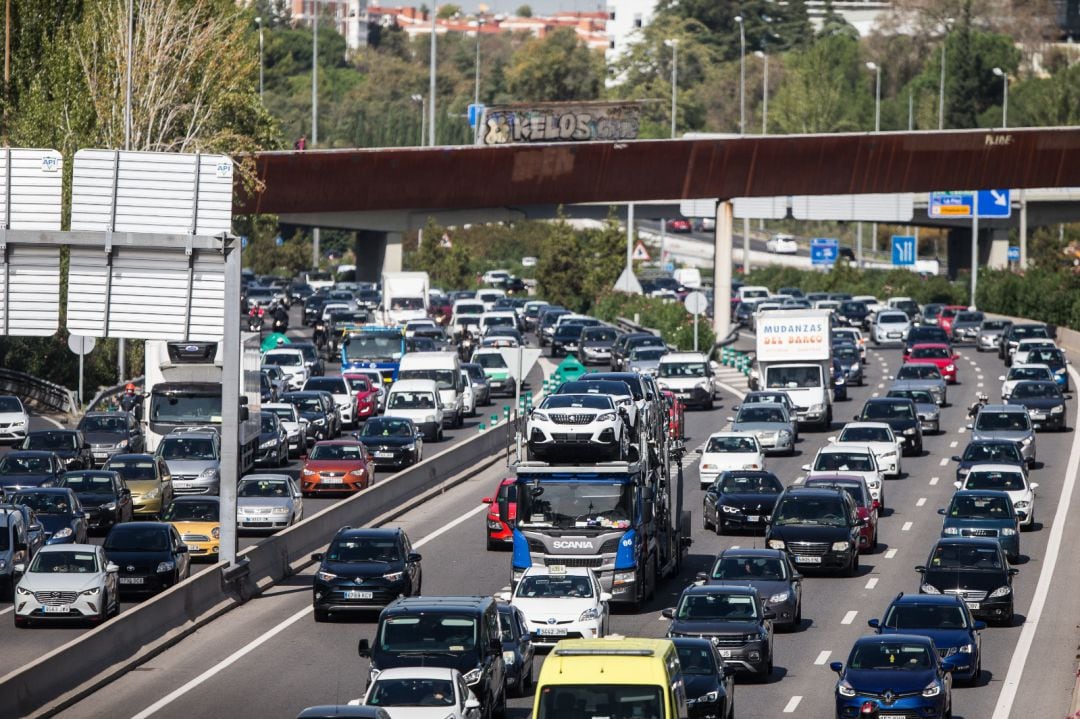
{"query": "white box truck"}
{"type": "Point", "coordinates": [794, 355]}
{"type": "Point", "coordinates": [404, 296]}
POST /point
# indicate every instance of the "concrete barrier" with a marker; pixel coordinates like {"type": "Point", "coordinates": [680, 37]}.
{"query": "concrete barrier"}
{"type": "Point", "coordinates": [64, 675]}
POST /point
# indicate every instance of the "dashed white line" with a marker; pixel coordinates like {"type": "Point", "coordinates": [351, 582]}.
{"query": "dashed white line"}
{"type": "Point", "coordinates": [823, 657]}
{"type": "Point", "coordinates": [849, 617]}
{"type": "Point", "coordinates": [5, 611]}
{"type": "Point", "coordinates": [920, 502]}
{"type": "Point", "coordinates": [890, 554]}
{"type": "Point", "coordinates": [953, 444]}
{"type": "Point", "coordinates": [980, 384]}
{"type": "Point", "coordinates": [881, 386]}
{"type": "Point", "coordinates": [961, 430]}
{"type": "Point", "coordinates": [871, 582]}
{"type": "Point", "coordinates": [792, 704]}
{"type": "Point", "coordinates": [906, 527]}
{"type": "Point", "coordinates": [944, 461]}
{"type": "Point", "coordinates": [934, 480]}
{"type": "Point", "coordinates": [876, 394]}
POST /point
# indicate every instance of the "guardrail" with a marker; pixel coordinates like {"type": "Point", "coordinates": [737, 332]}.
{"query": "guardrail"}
{"type": "Point", "coordinates": [61, 677]}
{"type": "Point", "coordinates": [37, 391]}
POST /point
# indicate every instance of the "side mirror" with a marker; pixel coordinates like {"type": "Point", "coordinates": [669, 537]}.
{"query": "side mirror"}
{"type": "Point", "coordinates": [668, 613]}
{"type": "Point", "coordinates": [831, 440]}
{"type": "Point", "coordinates": [837, 667]}
{"type": "Point", "coordinates": [956, 458]}
{"type": "Point", "coordinates": [125, 492]}
{"type": "Point", "coordinates": [805, 468]}
{"type": "Point", "coordinates": [487, 500]}
{"type": "Point", "coordinates": [796, 577]}
{"type": "Point", "coordinates": [1013, 571]}
{"type": "Point", "coordinates": [36, 527]}
{"type": "Point", "coordinates": [873, 623]}
{"type": "Point", "coordinates": [958, 485]}
{"type": "Point", "coordinates": [1001, 378]}
{"type": "Point", "coordinates": [730, 419]}
{"type": "Point", "coordinates": [182, 549]}
{"type": "Point", "coordinates": [19, 568]}
{"type": "Point", "coordinates": [921, 569]}
{"type": "Point", "coordinates": [979, 626]}
{"type": "Point", "coordinates": [941, 511]}
{"type": "Point", "coordinates": [472, 703]}
{"type": "Point", "coordinates": [505, 596]}
{"type": "Point", "coordinates": [701, 577]}
{"type": "Point", "coordinates": [605, 596]}
{"type": "Point", "coordinates": [363, 648]}
{"type": "Point", "coordinates": [1034, 485]}
{"type": "Point", "coordinates": [413, 558]}
{"type": "Point", "coordinates": [112, 568]}
{"type": "Point", "coordinates": [970, 426]}
{"type": "Point", "coordinates": [79, 514]}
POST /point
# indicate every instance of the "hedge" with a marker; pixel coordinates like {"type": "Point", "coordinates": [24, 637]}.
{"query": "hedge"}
{"type": "Point", "coordinates": [675, 324]}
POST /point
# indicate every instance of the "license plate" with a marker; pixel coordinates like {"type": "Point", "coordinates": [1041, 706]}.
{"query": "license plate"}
{"type": "Point", "coordinates": [807, 560]}
{"type": "Point", "coordinates": [181, 485]}
{"type": "Point", "coordinates": [1038, 415]}
{"type": "Point", "coordinates": [384, 455]}
{"type": "Point", "coordinates": [257, 520]}
{"type": "Point", "coordinates": [132, 580]}
{"type": "Point", "coordinates": [101, 455]}
{"type": "Point", "coordinates": [55, 610]}
{"type": "Point", "coordinates": [973, 605]}
{"type": "Point", "coordinates": [753, 518]}
{"type": "Point", "coordinates": [354, 594]}
{"type": "Point", "coordinates": [332, 480]}
{"type": "Point", "coordinates": [894, 335]}
{"type": "Point", "coordinates": [890, 716]}
{"type": "Point", "coordinates": [551, 632]}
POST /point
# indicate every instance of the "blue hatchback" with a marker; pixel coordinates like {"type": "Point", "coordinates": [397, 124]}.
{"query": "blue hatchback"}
{"type": "Point", "coordinates": [893, 673]}
{"type": "Point", "coordinates": [59, 511]}
{"type": "Point", "coordinates": [946, 620]}
{"type": "Point", "coordinates": [983, 513]}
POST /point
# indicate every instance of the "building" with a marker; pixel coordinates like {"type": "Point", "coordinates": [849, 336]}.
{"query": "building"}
{"type": "Point", "coordinates": [350, 17]}
{"type": "Point", "coordinates": [625, 18]}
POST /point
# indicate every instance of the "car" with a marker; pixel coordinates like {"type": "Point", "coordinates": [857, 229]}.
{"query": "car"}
{"type": "Point", "coordinates": [561, 602]}
{"type": "Point", "coordinates": [852, 336]}
{"type": "Point", "coordinates": [29, 468]}
{"type": "Point", "coordinates": [198, 520]}
{"type": "Point", "coordinates": [268, 502]}
{"type": "Point", "coordinates": [906, 305]}
{"type": "Point", "coordinates": [838, 382]}
{"type": "Point", "coordinates": [519, 654]}
{"type": "Point", "coordinates": [931, 312]}
{"type": "Point", "coordinates": [596, 344]}
{"type": "Point", "coordinates": [850, 459]}
{"type": "Point", "coordinates": [618, 390]}
{"type": "Point", "coordinates": [901, 415]}
{"type": "Point", "coordinates": [1023, 372]}
{"type": "Point", "coordinates": [938, 355]}
{"type": "Point", "coordinates": [21, 536]}
{"type": "Point", "coordinates": [314, 414]}
{"type": "Point", "coordinates": [867, 507]}
{"type": "Point", "coordinates": [342, 395]}
{"type": "Point", "coordinates": [988, 337]}
{"type": "Point", "coordinates": [818, 528]}
{"type": "Point", "coordinates": [965, 326]}
{"type": "Point", "coordinates": [279, 383]}
{"type": "Point", "coordinates": [480, 383]}
{"type": "Point", "coordinates": [782, 244]}
{"type": "Point", "coordinates": [853, 313]}
{"type": "Point", "coordinates": [729, 451]}
{"type": "Point", "coordinates": [678, 225]}
{"type": "Point", "coordinates": [498, 374]}
{"type": "Point", "coordinates": [879, 437]}
{"type": "Point", "coordinates": [1004, 421]}
{"type": "Point", "coordinates": [1055, 359]}
{"type": "Point", "coordinates": [59, 512]}
{"type": "Point", "coordinates": [151, 556]}
{"type": "Point", "coordinates": [988, 451]}
{"type": "Point", "coordinates": [945, 620]}
{"type": "Point", "coordinates": [740, 499]}
{"type": "Point", "coordinates": [343, 711]}
{"type": "Point", "coordinates": [974, 569]}
{"type": "Point", "coordinates": [769, 572]}
{"type": "Point", "coordinates": [366, 395]}
{"type": "Point", "coordinates": [983, 513]}
{"type": "Point", "coordinates": [334, 423]}
{"type": "Point", "coordinates": [363, 570]}
{"type": "Point", "coordinates": [110, 433]}
{"type": "Point", "coordinates": [422, 692]}
{"type": "Point", "coordinates": [1025, 347]}
{"type": "Point", "coordinates": [337, 466]}
{"type": "Point", "coordinates": [770, 396]}
{"type": "Point", "coordinates": [890, 327]}
{"type": "Point", "coordinates": [924, 334]}
{"type": "Point", "coordinates": [922, 375]}
{"type": "Point", "coordinates": [645, 359]}
{"type": "Point", "coordinates": [847, 355]}
{"type": "Point", "coordinates": [68, 581]}
{"type": "Point", "coordinates": [104, 497]}
{"type": "Point", "coordinates": [620, 350]}
{"type": "Point", "coordinates": [378, 382]}
{"type": "Point", "coordinates": [501, 515]}
{"type": "Point", "coordinates": [1006, 478]}
{"type": "Point", "coordinates": [312, 359]}
{"type": "Point", "coordinates": [898, 673]}
{"type": "Point", "coordinates": [770, 423]}
{"type": "Point", "coordinates": [1044, 402]}
{"type": "Point", "coordinates": [294, 425]}
{"type": "Point", "coordinates": [1017, 331]}
{"type": "Point", "coordinates": [731, 617]}
{"type": "Point", "coordinates": [193, 458]}
{"type": "Point", "coordinates": [579, 425]}
{"type": "Point", "coordinates": [928, 410]}
{"type": "Point", "coordinates": [14, 419]}
{"type": "Point", "coordinates": [68, 444]}
{"type": "Point", "coordinates": [691, 376]}
{"type": "Point", "coordinates": [947, 315]}
{"type": "Point", "coordinates": [291, 363]}
{"type": "Point", "coordinates": [392, 441]}
{"type": "Point", "coordinates": [709, 684]}
{"type": "Point", "coordinates": [273, 441]}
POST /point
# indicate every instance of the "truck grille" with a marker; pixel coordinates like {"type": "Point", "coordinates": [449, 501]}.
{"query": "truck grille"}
{"type": "Point", "coordinates": [55, 599]}
{"type": "Point", "coordinates": [572, 418]}
{"type": "Point", "coordinates": [968, 595]}
{"type": "Point", "coordinates": [810, 549]}
{"type": "Point", "coordinates": [591, 562]}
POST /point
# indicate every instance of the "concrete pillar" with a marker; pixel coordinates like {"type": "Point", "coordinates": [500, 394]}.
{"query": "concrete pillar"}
{"type": "Point", "coordinates": [725, 221]}
{"type": "Point", "coordinates": [997, 256]}
{"type": "Point", "coordinates": [392, 256]}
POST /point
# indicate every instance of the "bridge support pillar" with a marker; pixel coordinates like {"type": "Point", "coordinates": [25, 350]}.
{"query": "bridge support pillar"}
{"type": "Point", "coordinates": [724, 238]}
{"type": "Point", "coordinates": [376, 251]}
{"type": "Point", "coordinates": [998, 252]}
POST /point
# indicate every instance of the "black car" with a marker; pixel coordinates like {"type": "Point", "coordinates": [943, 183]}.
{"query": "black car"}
{"type": "Point", "coordinates": [313, 307]}
{"type": "Point", "coordinates": [29, 468]}
{"type": "Point", "coordinates": [731, 617]}
{"type": "Point", "coordinates": [566, 340]}
{"type": "Point", "coordinates": [770, 572]}
{"type": "Point", "coordinates": [1055, 360]}
{"type": "Point", "coordinates": [853, 313]}
{"type": "Point", "coordinates": [59, 512]}
{"type": "Point", "coordinates": [312, 407]}
{"type": "Point", "coordinates": [151, 556]}
{"type": "Point", "coordinates": [1044, 402]}
{"type": "Point", "coordinates": [363, 570]}
{"type": "Point", "coordinates": [710, 686]}
{"type": "Point", "coordinates": [312, 358]}
{"type": "Point", "coordinates": [901, 415]}
{"type": "Point", "coordinates": [110, 433]}
{"type": "Point", "coordinates": [68, 444]}
{"type": "Point", "coordinates": [740, 499]}
{"type": "Point", "coordinates": [273, 442]}
{"type": "Point", "coordinates": [104, 497]}
{"type": "Point", "coordinates": [924, 334]}
{"type": "Point", "coordinates": [976, 570]}
{"type": "Point", "coordinates": [392, 441]}
{"type": "Point", "coordinates": [965, 325]}
{"type": "Point", "coordinates": [1010, 340]}
{"type": "Point", "coordinates": [818, 528]}
{"type": "Point", "coordinates": [517, 643]}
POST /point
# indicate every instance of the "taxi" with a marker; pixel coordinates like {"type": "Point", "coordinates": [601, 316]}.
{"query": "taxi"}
{"type": "Point", "coordinates": [561, 603]}
{"type": "Point", "coordinates": [198, 520]}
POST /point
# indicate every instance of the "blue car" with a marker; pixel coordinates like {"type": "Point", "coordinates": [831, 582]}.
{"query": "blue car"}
{"type": "Point", "coordinates": [839, 381]}
{"type": "Point", "coordinates": [59, 512]}
{"type": "Point", "coordinates": [946, 620]}
{"type": "Point", "coordinates": [897, 674]}
{"type": "Point", "coordinates": [983, 513]}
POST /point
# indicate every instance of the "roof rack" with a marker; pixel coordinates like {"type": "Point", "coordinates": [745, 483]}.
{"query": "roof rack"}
{"type": "Point", "coordinates": [570, 652]}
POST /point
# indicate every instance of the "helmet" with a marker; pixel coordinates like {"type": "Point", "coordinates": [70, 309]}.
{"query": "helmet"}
{"type": "Point", "coordinates": [130, 387]}
{"type": "Point", "coordinates": [280, 341]}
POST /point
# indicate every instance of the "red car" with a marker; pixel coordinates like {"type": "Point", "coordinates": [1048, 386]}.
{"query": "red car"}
{"type": "Point", "coordinates": [676, 415]}
{"type": "Point", "coordinates": [678, 225]}
{"type": "Point", "coordinates": [339, 466]}
{"type": "Point", "coordinates": [866, 506]}
{"type": "Point", "coordinates": [365, 394]}
{"type": "Point", "coordinates": [936, 354]}
{"type": "Point", "coordinates": [501, 515]}
{"type": "Point", "coordinates": [948, 314]}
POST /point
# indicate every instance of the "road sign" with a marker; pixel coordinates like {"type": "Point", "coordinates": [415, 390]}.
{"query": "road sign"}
{"type": "Point", "coordinates": [992, 203]}
{"type": "Point", "coordinates": [903, 250]}
{"type": "Point", "coordinates": [628, 283]}
{"type": "Point", "coordinates": [640, 253]}
{"type": "Point", "coordinates": [696, 303]}
{"type": "Point", "coordinates": [1014, 253]}
{"type": "Point", "coordinates": [669, 267]}
{"type": "Point", "coordinates": [475, 112]}
{"type": "Point", "coordinates": [81, 345]}
{"type": "Point", "coordinates": [824, 250]}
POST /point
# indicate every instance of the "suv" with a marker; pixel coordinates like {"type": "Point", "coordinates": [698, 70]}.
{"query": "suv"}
{"type": "Point", "coordinates": [690, 376]}
{"type": "Point", "coordinates": [193, 457]}
{"type": "Point", "coordinates": [20, 539]}
{"type": "Point", "coordinates": [364, 569]}
{"type": "Point", "coordinates": [1006, 421]}
{"type": "Point", "coordinates": [733, 618]}
{"type": "Point", "coordinates": [14, 419]}
{"type": "Point", "coordinates": [469, 640]}
{"type": "Point", "coordinates": [818, 528]}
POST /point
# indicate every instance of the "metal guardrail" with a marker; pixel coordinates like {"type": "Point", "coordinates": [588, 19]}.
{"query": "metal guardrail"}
{"type": "Point", "coordinates": [37, 391]}
{"type": "Point", "coordinates": [106, 393]}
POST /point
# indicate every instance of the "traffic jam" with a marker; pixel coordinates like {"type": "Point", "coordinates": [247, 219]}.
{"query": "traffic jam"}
{"type": "Point", "coordinates": [847, 514]}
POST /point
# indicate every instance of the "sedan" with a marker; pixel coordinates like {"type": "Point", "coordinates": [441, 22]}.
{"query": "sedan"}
{"type": "Point", "coordinates": [983, 513]}
{"type": "Point", "coordinates": [729, 451]}
{"type": "Point", "coordinates": [110, 433]}
{"type": "Point", "coordinates": [904, 666]}
{"type": "Point", "coordinates": [974, 569]}
{"type": "Point", "coordinates": [740, 499]}
{"type": "Point", "coordinates": [518, 651]}
{"type": "Point", "coordinates": [68, 444]}
{"type": "Point", "coordinates": [268, 502]}
{"type": "Point", "coordinates": [939, 355]}
{"type": "Point", "coordinates": [273, 441]}
{"type": "Point", "coordinates": [770, 423]}
{"type": "Point", "coordinates": [337, 466]}
{"type": "Point", "coordinates": [782, 244]}
{"type": "Point", "coordinates": [965, 326]}
{"type": "Point", "coordinates": [29, 468]}
{"type": "Point", "coordinates": [1044, 402]}
{"type": "Point", "coordinates": [1009, 479]}
{"type": "Point", "coordinates": [988, 338]}
{"type": "Point", "coordinates": [1023, 373]}
{"type": "Point", "coordinates": [151, 556]}
{"type": "Point", "coordinates": [295, 426]}
{"type": "Point", "coordinates": [59, 512]}
{"type": "Point", "coordinates": [678, 225]}
{"type": "Point", "coordinates": [770, 572]}
{"type": "Point", "coordinates": [71, 581]}
{"type": "Point", "coordinates": [710, 685]}
{"type": "Point", "coordinates": [104, 497]}
{"type": "Point", "coordinates": [392, 441]}
{"type": "Point", "coordinates": [901, 415]}
{"type": "Point", "coordinates": [879, 437]}
{"type": "Point", "coordinates": [988, 451]}
{"type": "Point", "coordinates": [918, 375]}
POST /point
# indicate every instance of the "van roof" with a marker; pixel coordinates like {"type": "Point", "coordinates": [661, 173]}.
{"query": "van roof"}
{"type": "Point", "coordinates": [414, 385]}
{"type": "Point", "coordinates": [608, 661]}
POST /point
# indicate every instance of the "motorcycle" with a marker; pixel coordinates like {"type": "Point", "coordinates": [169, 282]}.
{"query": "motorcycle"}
{"type": "Point", "coordinates": [281, 325]}
{"type": "Point", "coordinates": [319, 334]}
{"type": "Point", "coordinates": [255, 319]}
{"type": "Point", "coordinates": [974, 407]}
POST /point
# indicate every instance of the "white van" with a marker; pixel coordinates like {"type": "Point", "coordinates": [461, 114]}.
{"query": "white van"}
{"type": "Point", "coordinates": [753, 292]}
{"type": "Point", "coordinates": [418, 400]}
{"type": "Point", "coordinates": [502, 318]}
{"type": "Point", "coordinates": [689, 277]}
{"type": "Point", "coordinates": [444, 368]}
{"type": "Point", "coordinates": [489, 296]}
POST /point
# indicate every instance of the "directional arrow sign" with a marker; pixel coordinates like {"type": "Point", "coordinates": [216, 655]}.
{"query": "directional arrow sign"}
{"type": "Point", "coordinates": [994, 203]}
{"type": "Point", "coordinates": [991, 203]}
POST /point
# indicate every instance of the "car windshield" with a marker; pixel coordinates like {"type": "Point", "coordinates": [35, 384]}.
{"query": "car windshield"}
{"type": "Point", "coordinates": [766, 397]}
{"type": "Point", "coordinates": [554, 586]}
{"type": "Point", "coordinates": [411, 400]}
{"type": "Point", "coordinates": [918, 396]}
{"type": "Point", "coordinates": [731, 444]}
{"type": "Point", "coordinates": [444, 378]}
{"type": "Point", "coordinates": [427, 633]}
{"type": "Point", "coordinates": [980, 507]}
{"type": "Point", "coordinates": [65, 563]}
{"type": "Point", "coordinates": [929, 353]}
{"type": "Point", "coordinates": [1029, 373]}
{"type": "Point", "coordinates": [827, 511]}
{"type": "Point", "coordinates": [996, 452]}
{"type": "Point", "coordinates": [353, 452]}
{"type": "Point", "coordinates": [886, 411]}
{"type": "Point", "coordinates": [593, 701]}
{"type": "Point", "coordinates": [81, 483]}
{"type": "Point", "coordinates": [847, 355]}
{"type": "Point", "coordinates": [994, 324]}
{"type": "Point", "coordinates": [1020, 332]}
{"type": "Point", "coordinates": [263, 488]}
{"type": "Point", "coordinates": [133, 538]}
{"type": "Point", "coordinates": [760, 413]}
{"type": "Point", "coordinates": [647, 354]}
{"type": "Point", "coordinates": [732, 483]}
{"type": "Point", "coordinates": [266, 423]}
{"type": "Point", "coordinates": [192, 511]}
{"type": "Point", "coordinates": [792, 377]}
{"type": "Point", "coordinates": [959, 557]}
{"type": "Point", "coordinates": [133, 470]}
{"type": "Point", "coordinates": [305, 404]}
{"type": "Point", "coordinates": [854, 490]}
{"type": "Point", "coordinates": [844, 462]}
{"type": "Point", "coordinates": [283, 359]}
{"type": "Point", "coordinates": [51, 441]}
{"type": "Point", "coordinates": [925, 616]}
{"type": "Point", "coordinates": [1054, 358]}
{"type": "Point", "coordinates": [358, 383]}
{"type": "Point", "coordinates": [25, 464]}
{"type": "Point", "coordinates": [364, 549]}
{"type": "Point", "coordinates": [333, 385]}
{"type": "Point", "coordinates": [968, 317]}
{"type": "Point", "coordinates": [387, 427]}
{"type": "Point", "coordinates": [987, 479]}
{"type": "Point", "coordinates": [99, 423]}
{"type": "Point", "coordinates": [490, 360]}
{"type": "Point", "coordinates": [1002, 422]}
{"type": "Point", "coordinates": [49, 503]}
{"type": "Point", "coordinates": [1026, 390]}
{"type": "Point", "coordinates": [599, 334]}
{"type": "Point", "coordinates": [718, 606]}
{"type": "Point", "coordinates": [696, 660]}
{"type": "Point", "coordinates": [682, 369]}
{"type": "Point", "coordinates": [10, 404]}
{"type": "Point", "coordinates": [919, 371]}
{"type": "Point", "coordinates": [892, 318]}
{"type": "Point", "coordinates": [752, 568]}
{"type": "Point", "coordinates": [867, 434]}
{"type": "Point", "coordinates": [411, 692]}
{"type": "Point", "coordinates": [284, 414]}
{"type": "Point", "coordinates": [187, 448]}
{"type": "Point", "coordinates": [892, 656]}
{"type": "Point", "coordinates": [578, 401]}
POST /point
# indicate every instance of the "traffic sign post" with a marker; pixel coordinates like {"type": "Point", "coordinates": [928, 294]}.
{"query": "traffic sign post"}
{"type": "Point", "coordinates": [1014, 253]}
{"type": "Point", "coordinates": [991, 204]}
{"type": "Point", "coordinates": [903, 250]}
{"type": "Point", "coordinates": [824, 250]}
{"type": "Point", "coordinates": [81, 346]}
{"type": "Point", "coordinates": [696, 303]}
{"type": "Point", "coordinates": [640, 253]}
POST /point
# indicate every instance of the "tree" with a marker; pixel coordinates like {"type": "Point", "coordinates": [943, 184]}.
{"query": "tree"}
{"type": "Point", "coordinates": [824, 89]}
{"type": "Point", "coordinates": [448, 11]}
{"type": "Point", "coordinates": [1052, 101]}
{"type": "Point", "coordinates": [773, 25]}
{"type": "Point", "coordinates": [558, 67]}
{"type": "Point", "coordinates": [559, 269]}
{"type": "Point", "coordinates": [524, 11]}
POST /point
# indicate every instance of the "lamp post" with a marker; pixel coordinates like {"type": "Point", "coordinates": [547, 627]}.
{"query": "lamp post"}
{"type": "Point", "coordinates": [941, 84]}
{"type": "Point", "coordinates": [419, 99]}
{"type": "Point", "coordinates": [674, 45]}
{"type": "Point", "coordinates": [258, 21]}
{"type": "Point", "coordinates": [742, 74]}
{"type": "Point", "coordinates": [764, 92]}
{"type": "Point", "coordinates": [431, 83]}
{"type": "Point", "coordinates": [1004, 95]}
{"type": "Point", "coordinates": [476, 90]}
{"type": "Point", "coordinates": [877, 94]}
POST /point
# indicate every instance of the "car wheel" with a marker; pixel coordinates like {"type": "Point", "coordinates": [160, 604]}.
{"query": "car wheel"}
{"type": "Point", "coordinates": [705, 523]}
{"type": "Point", "coordinates": [719, 526]}
{"type": "Point", "coordinates": [21, 622]}
{"type": "Point", "coordinates": [767, 670]}
{"type": "Point", "coordinates": [321, 615]}
{"type": "Point", "coordinates": [797, 623]}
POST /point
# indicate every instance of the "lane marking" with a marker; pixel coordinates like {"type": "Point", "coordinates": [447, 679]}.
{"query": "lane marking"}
{"type": "Point", "coordinates": [871, 582]}
{"type": "Point", "coordinates": [980, 384]}
{"type": "Point", "coordinates": [944, 461]}
{"type": "Point", "coordinates": [881, 386]}
{"type": "Point", "coordinates": [961, 430]}
{"type": "Point", "coordinates": [952, 445]}
{"type": "Point", "coordinates": [823, 657]}
{"type": "Point", "coordinates": [921, 502]}
{"type": "Point", "coordinates": [934, 480]}
{"type": "Point", "coordinates": [875, 394]}
{"type": "Point", "coordinates": [849, 617]}
{"type": "Point", "coordinates": [890, 554]}
{"type": "Point", "coordinates": [1046, 575]}
{"type": "Point", "coordinates": [447, 527]}
{"type": "Point", "coordinates": [50, 420]}
{"type": "Point", "coordinates": [792, 704]}
{"type": "Point", "coordinates": [9, 609]}
{"type": "Point", "coordinates": [906, 527]}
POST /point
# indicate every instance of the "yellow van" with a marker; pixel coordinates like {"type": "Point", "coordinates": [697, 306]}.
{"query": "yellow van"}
{"type": "Point", "coordinates": [615, 677]}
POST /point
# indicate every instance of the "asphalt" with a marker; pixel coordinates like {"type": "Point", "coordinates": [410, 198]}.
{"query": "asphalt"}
{"type": "Point", "coordinates": [756, 243]}
{"type": "Point", "coordinates": [269, 658]}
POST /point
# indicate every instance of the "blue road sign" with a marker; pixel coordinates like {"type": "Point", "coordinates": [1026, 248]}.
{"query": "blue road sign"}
{"type": "Point", "coordinates": [1014, 253]}
{"type": "Point", "coordinates": [475, 112]}
{"type": "Point", "coordinates": [669, 267]}
{"type": "Point", "coordinates": [992, 203]}
{"type": "Point", "coordinates": [279, 240]}
{"type": "Point", "coordinates": [824, 250]}
{"type": "Point", "coordinates": [243, 242]}
{"type": "Point", "coordinates": [903, 250]}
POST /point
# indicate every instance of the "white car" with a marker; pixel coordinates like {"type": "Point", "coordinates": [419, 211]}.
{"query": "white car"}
{"type": "Point", "coordinates": [67, 581]}
{"type": "Point", "coordinates": [468, 394]}
{"type": "Point", "coordinates": [14, 419]}
{"type": "Point", "coordinates": [891, 327]}
{"type": "Point", "coordinates": [1007, 478]}
{"type": "Point", "coordinates": [782, 244]}
{"type": "Point", "coordinates": [1024, 348]}
{"type": "Point", "coordinates": [343, 396]}
{"type": "Point", "coordinates": [492, 276]}
{"type": "Point", "coordinates": [413, 325]}
{"type": "Point", "coordinates": [295, 425]}
{"type": "Point", "coordinates": [291, 363]}
{"type": "Point", "coordinates": [268, 501]}
{"type": "Point", "coordinates": [578, 424]}
{"type": "Point", "coordinates": [849, 459]}
{"type": "Point", "coordinates": [1022, 372]}
{"type": "Point", "coordinates": [418, 400]}
{"type": "Point", "coordinates": [691, 376]}
{"type": "Point", "coordinates": [421, 693]}
{"type": "Point", "coordinates": [879, 437]}
{"type": "Point", "coordinates": [561, 603]}
{"type": "Point", "coordinates": [729, 450]}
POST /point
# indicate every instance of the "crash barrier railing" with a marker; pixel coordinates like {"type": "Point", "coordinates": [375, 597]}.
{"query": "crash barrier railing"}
{"type": "Point", "coordinates": [100, 401]}
{"type": "Point", "coordinates": [37, 391]}
{"type": "Point", "coordinates": [740, 360]}
{"type": "Point", "coordinates": [65, 675]}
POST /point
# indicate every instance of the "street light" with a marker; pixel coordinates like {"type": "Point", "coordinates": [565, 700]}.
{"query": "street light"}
{"type": "Point", "coordinates": [764, 92]}
{"type": "Point", "coordinates": [1004, 95]}
{"type": "Point", "coordinates": [431, 81]}
{"type": "Point", "coordinates": [877, 94]}
{"type": "Point", "coordinates": [674, 45]}
{"type": "Point", "coordinates": [742, 74]}
{"type": "Point", "coordinates": [258, 21]}
{"type": "Point", "coordinates": [941, 85]}
{"type": "Point", "coordinates": [476, 92]}
{"type": "Point", "coordinates": [419, 99]}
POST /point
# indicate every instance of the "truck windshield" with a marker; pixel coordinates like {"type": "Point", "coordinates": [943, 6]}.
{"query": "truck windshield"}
{"type": "Point", "coordinates": [373, 347]}
{"type": "Point", "coordinates": [793, 377]}
{"type": "Point", "coordinates": [443, 377]}
{"type": "Point", "coordinates": [577, 504]}
{"type": "Point", "coordinates": [407, 303]}
{"type": "Point", "coordinates": [576, 701]}
{"type": "Point", "coordinates": [185, 408]}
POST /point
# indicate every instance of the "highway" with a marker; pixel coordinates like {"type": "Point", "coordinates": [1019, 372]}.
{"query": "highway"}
{"type": "Point", "coordinates": [226, 667]}
{"type": "Point", "coordinates": [756, 244]}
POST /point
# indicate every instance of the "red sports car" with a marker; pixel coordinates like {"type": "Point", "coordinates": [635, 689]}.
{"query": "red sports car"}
{"type": "Point", "coordinates": [936, 354]}
{"type": "Point", "coordinates": [501, 514]}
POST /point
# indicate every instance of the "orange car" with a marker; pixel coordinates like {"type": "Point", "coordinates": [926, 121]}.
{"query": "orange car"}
{"type": "Point", "coordinates": [340, 466]}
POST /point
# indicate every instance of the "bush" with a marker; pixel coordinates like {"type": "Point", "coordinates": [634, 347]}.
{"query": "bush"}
{"type": "Point", "coordinates": [675, 324]}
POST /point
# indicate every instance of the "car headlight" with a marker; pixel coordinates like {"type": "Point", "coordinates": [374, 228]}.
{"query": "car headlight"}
{"type": "Point", "coordinates": [122, 444]}
{"type": "Point", "coordinates": [780, 597]}
{"type": "Point", "coordinates": [326, 576]}
{"type": "Point", "coordinates": [429, 418]}
{"type": "Point", "coordinates": [93, 591]}
{"type": "Point", "coordinates": [729, 509]}
{"type": "Point", "coordinates": [280, 510]}
{"type": "Point", "coordinates": [814, 408]}
{"type": "Point", "coordinates": [950, 368]}
{"type": "Point", "coordinates": [845, 689]}
{"type": "Point", "coordinates": [65, 532]}
{"type": "Point", "coordinates": [152, 494]}
{"type": "Point", "coordinates": [966, 649]}
{"type": "Point", "coordinates": [268, 444]}
{"type": "Point", "coordinates": [1026, 441]}
{"type": "Point", "coordinates": [3, 564]}
{"type": "Point", "coordinates": [929, 589]}
{"type": "Point", "coordinates": [166, 566]}
{"type": "Point", "coordinates": [308, 473]}
{"type": "Point", "coordinates": [540, 416]}
{"type": "Point", "coordinates": [706, 699]}
{"type": "Point", "coordinates": [111, 506]}
{"type": "Point", "coordinates": [1008, 532]}
{"type": "Point", "coordinates": [215, 533]}
{"type": "Point", "coordinates": [839, 546]}
{"type": "Point", "coordinates": [23, 592]}
{"type": "Point", "coordinates": [910, 431]}
{"type": "Point", "coordinates": [932, 689]}
{"type": "Point", "coordinates": [473, 676]}
{"type": "Point", "coordinates": [606, 417]}
{"type": "Point", "coordinates": [1001, 592]}
{"type": "Point", "coordinates": [509, 658]}
{"type": "Point", "coordinates": [589, 615]}
{"type": "Point", "coordinates": [393, 576]}
{"type": "Point", "coordinates": [784, 434]}
{"type": "Point", "coordinates": [1023, 504]}
{"type": "Point", "coordinates": [889, 454]}
{"type": "Point", "coordinates": [1058, 410]}
{"type": "Point", "coordinates": [950, 531]}
{"type": "Point", "coordinates": [19, 423]}
{"type": "Point", "coordinates": [776, 544]}
{"type": "Point", "coordinates": [320, 421]}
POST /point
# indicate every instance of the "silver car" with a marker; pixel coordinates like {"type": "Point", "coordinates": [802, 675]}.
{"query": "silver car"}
{"type": "Point", "coordinates": [925, 406]}
{"type": "Point", "coordinates": [268, 502]}
{"type": "Point", "coordinates": [988, 337]}
{"type": "Point", "coordinates": [645, 359]}
{"type": "Point", "coordinates": [194, 460]}
{"type": "Point", "coordinates": [771, 423]}
{"type": "Point", "coordinates": [1005, 421]}
{"type": "Point", "coordinates": [922, 375]}
{"type": "Point", "coordinates": [890, 327]}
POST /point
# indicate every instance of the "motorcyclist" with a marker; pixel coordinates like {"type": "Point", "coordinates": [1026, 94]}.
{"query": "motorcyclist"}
{"type": "Point", "coordinates": [281, 319]}
{"type": "Point", "coordinates": [131, 401]}
{"type": "Point", "coordinates": [319, 333]}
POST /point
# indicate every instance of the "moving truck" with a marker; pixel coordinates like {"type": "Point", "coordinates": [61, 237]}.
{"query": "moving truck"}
{"type": "Point", "coordinates": [794, 355]}
{"type": "Point", "coordinates": [404, 296]}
